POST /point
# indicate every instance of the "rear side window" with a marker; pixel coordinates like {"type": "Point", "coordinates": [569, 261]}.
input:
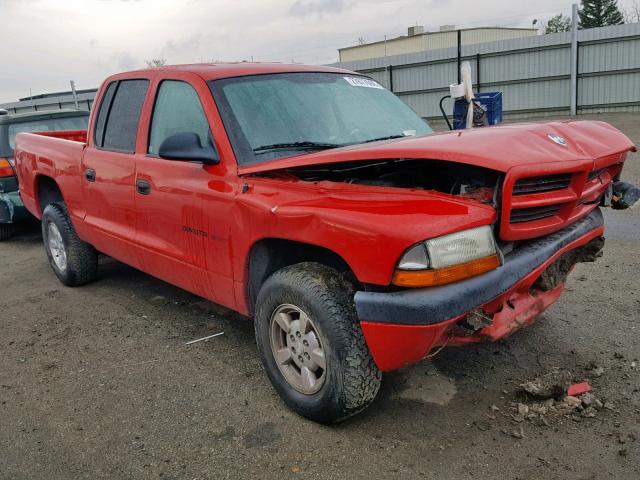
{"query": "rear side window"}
{"type": "Point", "coordinates": [117, 121]}
{"type": "Point", "coordinates": [103, 112]}
{"type": "Point", "coordinates": [177, 110]}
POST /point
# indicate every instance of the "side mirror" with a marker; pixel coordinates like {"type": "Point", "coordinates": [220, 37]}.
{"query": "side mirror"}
{"type": "Point", "coordinates": [187, 147]}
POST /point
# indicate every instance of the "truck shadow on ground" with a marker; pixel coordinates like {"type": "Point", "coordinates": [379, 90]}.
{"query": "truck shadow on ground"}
{"type": "Point", "coordinates": [28, 232]}
{"type": "Point", "coordinates": [470, 378]}
{"type": "Point", "coordinates": [456, 375]}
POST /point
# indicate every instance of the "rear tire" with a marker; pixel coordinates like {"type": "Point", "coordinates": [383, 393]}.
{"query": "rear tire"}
{"type": "Point", "coordinates": [6, 231]}
{"type": "Point", "coordinates": [320, 298]}
{"type": "Point", "coordinates": [73, 261]}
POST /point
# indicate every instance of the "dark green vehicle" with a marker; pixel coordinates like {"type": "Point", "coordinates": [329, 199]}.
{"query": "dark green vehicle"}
{"type": "Point", "coordinates": [11, 208]}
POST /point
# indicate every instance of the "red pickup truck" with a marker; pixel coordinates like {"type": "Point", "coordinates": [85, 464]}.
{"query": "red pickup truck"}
{"type": "Point", "coordinates": [316, 202]}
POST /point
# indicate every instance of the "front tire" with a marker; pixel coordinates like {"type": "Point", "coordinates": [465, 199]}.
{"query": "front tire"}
{"type": "Point", "coordinates": [311, 343]}
{"type": "Point", "coordinates": [73, 261]}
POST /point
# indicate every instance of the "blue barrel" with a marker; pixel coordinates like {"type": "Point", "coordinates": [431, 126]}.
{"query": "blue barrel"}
{"type": "Point", "coordinates": [489, 113]}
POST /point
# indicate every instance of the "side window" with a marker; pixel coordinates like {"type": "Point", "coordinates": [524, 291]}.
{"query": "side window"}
{"type": "Point", "coordinates": [98, 135]}
{"type": "Point", "coordinates": [177, 110]}
{"type": "Point", "coordinates": [117, 121]}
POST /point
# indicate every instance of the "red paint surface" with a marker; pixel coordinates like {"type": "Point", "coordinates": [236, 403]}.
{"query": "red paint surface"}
{"type": "Point", "coordinates": [578, 389]}
{"type": "Point", "coordinates": [369, 227]}
{"type": "Point", "coordinates": [394, 346]}
{"type": "Point", "coordinates": [72, 135]}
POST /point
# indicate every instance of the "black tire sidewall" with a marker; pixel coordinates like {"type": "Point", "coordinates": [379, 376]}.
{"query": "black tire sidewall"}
{"type": "Point", "coordinates": [53, 214]}
{"type": "Point", "coordinates": [323, 406]}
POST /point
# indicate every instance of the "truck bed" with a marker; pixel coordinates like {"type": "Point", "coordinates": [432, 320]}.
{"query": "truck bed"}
{"type": "Point", "coordinates": [57, 155]}
{"type": "Point", "coordinates": [72, 135]}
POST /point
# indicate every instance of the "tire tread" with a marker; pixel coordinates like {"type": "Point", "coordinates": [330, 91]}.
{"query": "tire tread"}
{"type": "Point", "coordinates": [82, 258]}
{"type": "Point", "coordinates": [360, 379]}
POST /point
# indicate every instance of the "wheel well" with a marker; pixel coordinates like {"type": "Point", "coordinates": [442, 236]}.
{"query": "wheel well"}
{"type": "Point", "coordinates": [48, 192]}
{"type": "Point", "coordinates": [271, 254]}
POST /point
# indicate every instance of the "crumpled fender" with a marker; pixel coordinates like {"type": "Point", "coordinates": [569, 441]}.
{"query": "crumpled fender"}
{"type": "Point", "coordinates": [368, 227]}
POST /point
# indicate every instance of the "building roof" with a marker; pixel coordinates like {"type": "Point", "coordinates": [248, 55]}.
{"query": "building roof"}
{"type": "Point", "coordinates": [57, 94]}
{"type": "Point", "coordinates": [437, 32]}
{"type": "Point", "coordinates": [41, 115]}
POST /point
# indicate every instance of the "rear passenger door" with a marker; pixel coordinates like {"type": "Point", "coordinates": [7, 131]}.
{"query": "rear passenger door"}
{"type": "Point", "coordinates": [108, 170]}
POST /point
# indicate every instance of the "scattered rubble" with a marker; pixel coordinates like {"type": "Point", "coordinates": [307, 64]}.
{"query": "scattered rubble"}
{"type": "Point", "coordinates": [578, 389]}
{"type": "Point", "coordinates": [590, 400]}
{"type": "Point", "coordinates": [551, 385]}
{"type": "Point", "coordinates": [518, 433]}
{"type": "Point", "coordinates": [523, 409]}
{"type": "Point", "coordinates": [553, 396]}
{"type": "Point", "coordinates": [571, 401]}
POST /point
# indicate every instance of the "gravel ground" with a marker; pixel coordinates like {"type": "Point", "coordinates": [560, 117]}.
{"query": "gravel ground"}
{"type": "Point", "coordinates": [97, 382]}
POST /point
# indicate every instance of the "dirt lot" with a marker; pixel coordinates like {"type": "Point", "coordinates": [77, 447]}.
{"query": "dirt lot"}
{"type": "Point", "coordinates": [97, 382]}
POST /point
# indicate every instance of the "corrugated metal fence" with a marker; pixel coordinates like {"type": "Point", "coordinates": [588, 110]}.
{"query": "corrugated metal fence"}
{"type": "Point", "coordinates": [533, 73]}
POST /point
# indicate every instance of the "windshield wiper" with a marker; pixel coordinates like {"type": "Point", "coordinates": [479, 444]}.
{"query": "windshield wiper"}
{"type": "Point", "coordinates": [297, 145]}
{"type": "Point", "coordinates": [390, 137]}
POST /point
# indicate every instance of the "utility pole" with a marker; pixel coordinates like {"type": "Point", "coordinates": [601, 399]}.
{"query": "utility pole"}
{"type": "Point", "coordinates": [75, 95]}
{"type": "Point", "coordinates": [574, 59]}
{"type": "Point", "coordinates": [459, 55]}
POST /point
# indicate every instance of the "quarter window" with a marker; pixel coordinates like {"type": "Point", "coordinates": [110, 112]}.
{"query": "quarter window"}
{"type": "Point", "coordinates": [177, 110]}
{"type": "Point", "coordinates": [117, 121]}
{"type": "Point", "coordinates": [103, 112]}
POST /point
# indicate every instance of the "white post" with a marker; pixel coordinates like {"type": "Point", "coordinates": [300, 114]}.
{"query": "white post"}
{"type": "Point", "coordinates": [73, 92]}
{"type": "Point", "coordinates": [574, 59]}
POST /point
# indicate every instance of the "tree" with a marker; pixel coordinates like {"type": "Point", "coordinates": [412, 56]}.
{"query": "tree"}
{"type": "Point", "coordinates": [600, 13]}
{"type": "Point", "coordinates": [632, 14]}
{"type": "Point", "coordinates": [156, 62]}
{"type": "Point", "coordinates": [559, 23]}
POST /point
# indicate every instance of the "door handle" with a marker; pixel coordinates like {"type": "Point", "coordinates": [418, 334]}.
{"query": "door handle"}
{"type": "Point", "coordinates": [90, 174]}
{"type": "Point", "coordinates": [143, 187]}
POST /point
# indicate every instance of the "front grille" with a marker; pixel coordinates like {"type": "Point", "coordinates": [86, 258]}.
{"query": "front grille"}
{"type": "Point", "coordinates": [520, 215]}
{"type": "Point", "coordinates": [526, 186]}
{"type": "Point", "coordinates": [595, 173]}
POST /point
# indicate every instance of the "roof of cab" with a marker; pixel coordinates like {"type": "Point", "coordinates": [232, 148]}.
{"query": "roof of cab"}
{"type": "Point", "coordinates": [41, 115]}
{"type": "Point", "coordinates": [213, 71]}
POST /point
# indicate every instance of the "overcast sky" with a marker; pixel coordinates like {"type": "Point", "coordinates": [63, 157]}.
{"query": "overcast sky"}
{"type": "Point", "coordinates": [45, 43]}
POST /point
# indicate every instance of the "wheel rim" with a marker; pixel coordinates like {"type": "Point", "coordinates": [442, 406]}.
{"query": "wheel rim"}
{"type": "Point", "coordinates": [56, 246]}
{"type": "Point", "coordinates": [297, 349]}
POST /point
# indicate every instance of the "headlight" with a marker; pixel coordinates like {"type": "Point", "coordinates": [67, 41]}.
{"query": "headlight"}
{"type": "Point", "coordinates": [448, 258]}
{"type": "Point", "coordinates": [415, 258]}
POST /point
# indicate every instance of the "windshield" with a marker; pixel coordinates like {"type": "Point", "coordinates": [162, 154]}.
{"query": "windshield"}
{"type": "Point", "coordinates": [280, 115]}
{"type": "Point", "coordinates": [47, 125]}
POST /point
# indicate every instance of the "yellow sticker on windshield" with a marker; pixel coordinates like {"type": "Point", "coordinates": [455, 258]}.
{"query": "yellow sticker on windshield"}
{"type": "Point", "coordinates": [363, 82]}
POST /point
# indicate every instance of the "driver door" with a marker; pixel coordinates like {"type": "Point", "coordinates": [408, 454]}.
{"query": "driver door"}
{"type": "Point", "coordinates": [169, 211]}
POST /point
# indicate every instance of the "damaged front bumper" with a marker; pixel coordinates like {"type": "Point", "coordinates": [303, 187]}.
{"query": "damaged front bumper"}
{"type": "Point", "coordinates": [403, 327]}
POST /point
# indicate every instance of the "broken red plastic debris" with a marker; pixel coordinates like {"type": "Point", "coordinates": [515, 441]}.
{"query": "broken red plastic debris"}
{"type": "Point", "coordinates": [578, 389]}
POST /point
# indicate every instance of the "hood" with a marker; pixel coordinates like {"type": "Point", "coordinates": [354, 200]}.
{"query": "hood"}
{"type": "Point", "coordinates": [498, 148]}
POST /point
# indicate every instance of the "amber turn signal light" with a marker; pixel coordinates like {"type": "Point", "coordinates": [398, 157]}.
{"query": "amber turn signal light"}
{"type": "Point", "coordinates": [442, 276]}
